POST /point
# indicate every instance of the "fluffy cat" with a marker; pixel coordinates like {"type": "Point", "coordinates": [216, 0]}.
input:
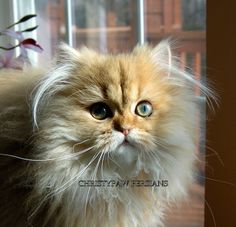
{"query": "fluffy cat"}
{"type": "Point", "coordinates": [96, 117]}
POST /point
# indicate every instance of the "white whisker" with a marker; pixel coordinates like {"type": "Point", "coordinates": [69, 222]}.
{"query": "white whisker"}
{"type": "Point", "coordinates": [66, 157]}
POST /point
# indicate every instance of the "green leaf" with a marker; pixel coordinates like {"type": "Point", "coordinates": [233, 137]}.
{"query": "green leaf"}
{"type": "Point", "coordinates": [30, 29]}
{"type": "Point", "coordinates": [23, 19]}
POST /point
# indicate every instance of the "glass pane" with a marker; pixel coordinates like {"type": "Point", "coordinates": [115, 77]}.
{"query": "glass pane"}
{"type": "Point", "coordinates": [107, 26]}
{"type": "Point", "coordinates": [184, 20]}
{"type": "Point", "coordinates": [104, 25]}
{"type": "Point", "coordinates": [110, 26]}
{"type": "Point", "coordinates": [51, 30]}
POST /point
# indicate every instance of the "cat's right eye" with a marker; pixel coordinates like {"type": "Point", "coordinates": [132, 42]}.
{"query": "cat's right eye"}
{"type": "Point", "coordinates": [143, 109]}
{"type": "Point", "coordinates": [100, 111]}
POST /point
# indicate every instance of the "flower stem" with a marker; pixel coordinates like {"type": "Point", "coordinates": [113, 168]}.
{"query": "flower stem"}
{"type": "Point", "coordinates": [10, 48]}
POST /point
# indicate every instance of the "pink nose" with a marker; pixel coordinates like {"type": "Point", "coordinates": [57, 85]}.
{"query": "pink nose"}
{"type": "Point", "coordinates": [126, 132]}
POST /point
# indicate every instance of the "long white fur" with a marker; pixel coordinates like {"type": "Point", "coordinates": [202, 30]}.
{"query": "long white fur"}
{"type": "Point", "coordinates": [48, 87]}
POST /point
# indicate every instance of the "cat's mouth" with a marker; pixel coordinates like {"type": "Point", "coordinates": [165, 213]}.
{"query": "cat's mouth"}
{"type": "Point", "coordinates": [125, 142]}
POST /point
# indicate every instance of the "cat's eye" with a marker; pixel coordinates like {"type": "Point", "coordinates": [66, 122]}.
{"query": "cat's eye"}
{"type": "Point", "coordinates": [100, 111]}
{"type": "Point", "coordinates": [143, 109]}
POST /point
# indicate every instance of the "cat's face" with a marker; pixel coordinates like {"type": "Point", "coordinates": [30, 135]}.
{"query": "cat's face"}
{"type": "Point", "coordinates": [123, 107]}
{"type": "Point", "coordinates": [120, 103]}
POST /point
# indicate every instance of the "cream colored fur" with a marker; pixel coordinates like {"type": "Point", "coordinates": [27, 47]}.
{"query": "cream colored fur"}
{"type": "Point", "coordinates": [50, 141]}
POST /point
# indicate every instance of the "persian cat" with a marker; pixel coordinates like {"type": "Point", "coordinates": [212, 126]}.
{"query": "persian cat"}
{"type": "Point", "coordinates": [96, 118]}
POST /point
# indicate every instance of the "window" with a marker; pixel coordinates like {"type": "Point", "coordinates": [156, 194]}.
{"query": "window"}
{"type": "Point", "coordinates": [114, 26]}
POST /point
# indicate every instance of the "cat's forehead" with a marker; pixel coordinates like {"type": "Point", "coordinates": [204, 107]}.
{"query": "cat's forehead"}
{"type": "Point", "coordinates": [122, 79]}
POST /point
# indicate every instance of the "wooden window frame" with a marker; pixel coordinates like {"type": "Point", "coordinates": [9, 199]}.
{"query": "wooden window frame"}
{"type": "Point", "coordinates": [221, 128]}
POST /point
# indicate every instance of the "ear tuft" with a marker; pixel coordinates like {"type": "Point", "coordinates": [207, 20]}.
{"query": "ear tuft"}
{"type": "Point", "coordinates": [162, 54]}
{"type": "Point", "coordinates": [66, 53]}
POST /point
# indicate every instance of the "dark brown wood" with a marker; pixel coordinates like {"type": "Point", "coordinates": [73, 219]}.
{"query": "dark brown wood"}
{"type": "Point", "coordinates": [221, 130]}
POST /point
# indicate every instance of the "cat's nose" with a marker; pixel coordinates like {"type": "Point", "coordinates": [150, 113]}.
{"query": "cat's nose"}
{"type": "Point", "coordinates": [126, 132]}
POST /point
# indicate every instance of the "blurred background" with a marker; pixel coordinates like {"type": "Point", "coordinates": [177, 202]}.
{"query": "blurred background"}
{"type": "Point", "coordinates": [117, 26]}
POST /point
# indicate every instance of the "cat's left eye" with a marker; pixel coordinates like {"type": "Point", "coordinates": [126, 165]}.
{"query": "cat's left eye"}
{"type": "Point", "coordinates": [143, 109]}
{"type": "Point", "coordinates": [100, 111]}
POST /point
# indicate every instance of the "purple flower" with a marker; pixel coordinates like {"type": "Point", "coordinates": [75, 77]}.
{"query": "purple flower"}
{"type": "Point", "coordinates": [28, 43]}
{"type": "Point", "coordinates": [31, 44]}
{"type": "Point", "coordinates": [12, 33]}
{"type": "Point", "coordinates": [7, 61]}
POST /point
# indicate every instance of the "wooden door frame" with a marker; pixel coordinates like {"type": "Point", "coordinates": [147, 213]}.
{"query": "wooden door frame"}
{"type": "Point", "coordinates": [221, 128]}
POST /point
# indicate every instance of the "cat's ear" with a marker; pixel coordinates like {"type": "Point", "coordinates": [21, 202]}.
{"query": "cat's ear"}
{"type": "Point", "coordinates": [162, 51]}
{"type": "Point", "coordinates": [66, 54]}
{"type": "Point", "coordinates": [162, 55]}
